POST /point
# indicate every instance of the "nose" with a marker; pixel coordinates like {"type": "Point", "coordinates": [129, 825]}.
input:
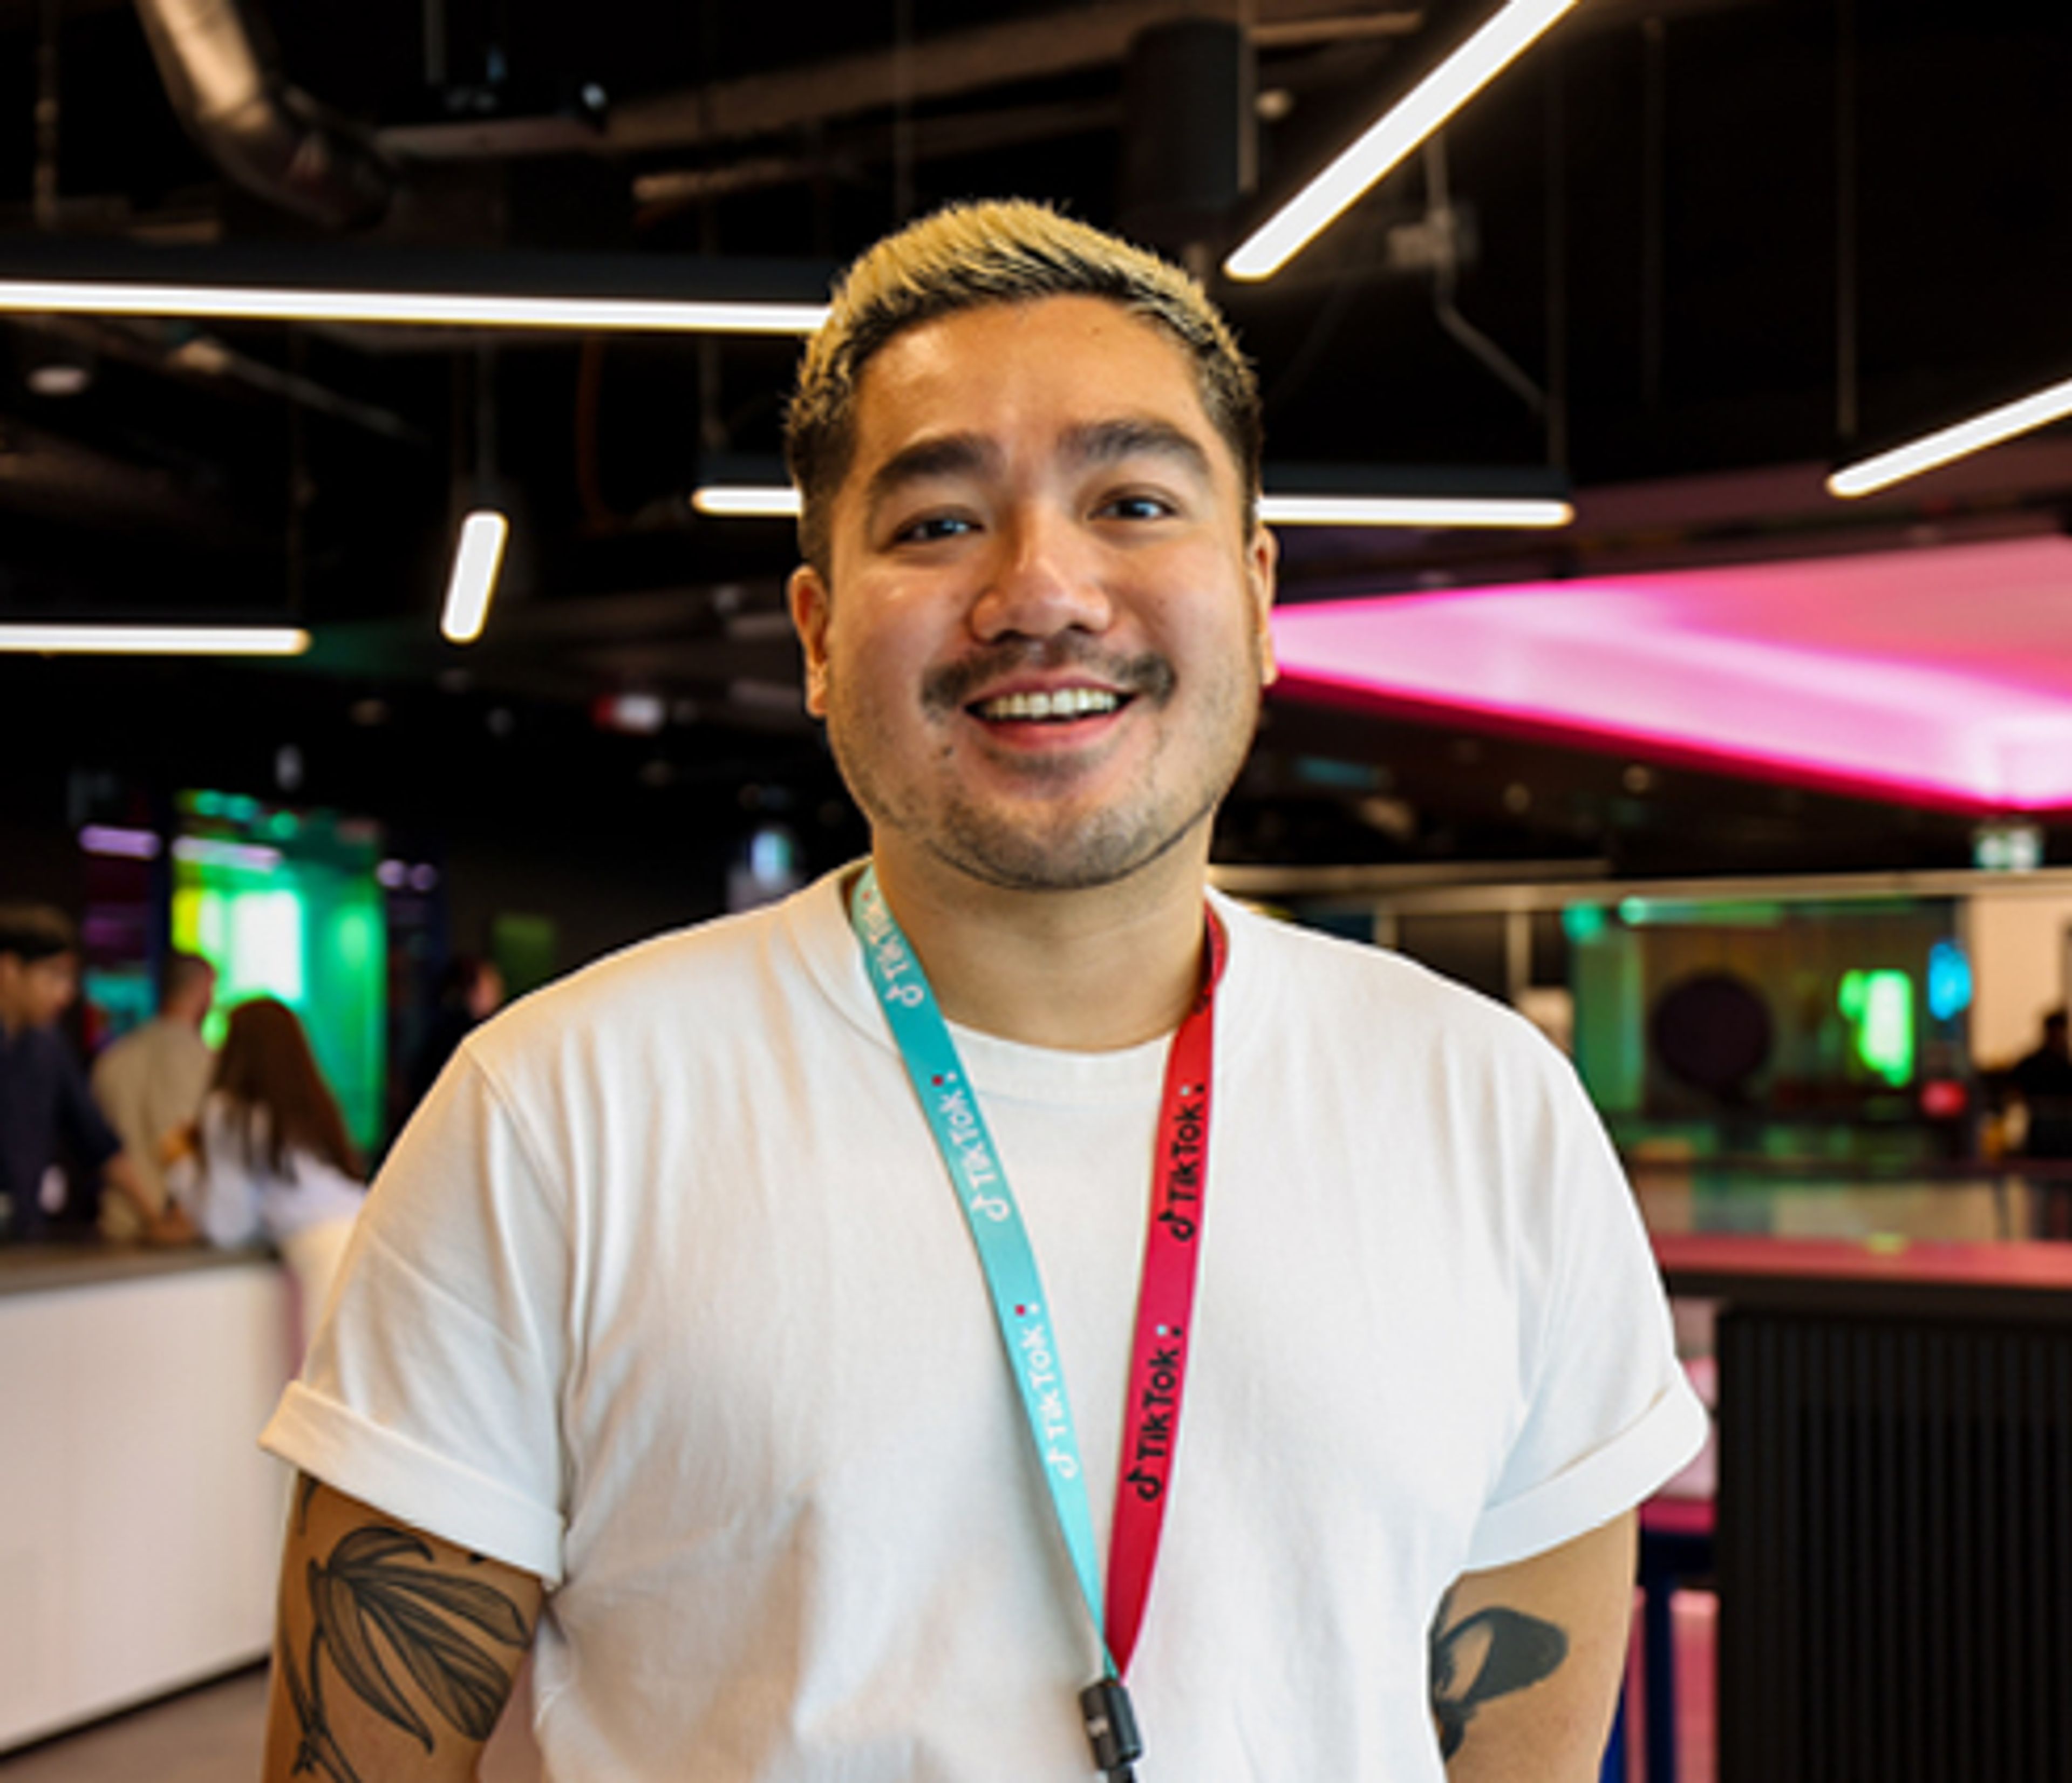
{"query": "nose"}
{"type": "Point", "coordinates": [1047, 579]}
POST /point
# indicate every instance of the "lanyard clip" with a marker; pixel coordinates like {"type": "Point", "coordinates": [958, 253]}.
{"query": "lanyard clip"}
{"type": "Point", "coordinates": [1110, 1728]}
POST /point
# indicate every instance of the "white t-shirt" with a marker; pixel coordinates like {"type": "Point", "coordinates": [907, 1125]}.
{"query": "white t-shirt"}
{"type": "Point", "coordinates": [663, 1296]}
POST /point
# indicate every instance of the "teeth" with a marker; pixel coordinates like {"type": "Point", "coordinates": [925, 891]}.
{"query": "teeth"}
{"type": "Point", "coordinates": [1065, 703]}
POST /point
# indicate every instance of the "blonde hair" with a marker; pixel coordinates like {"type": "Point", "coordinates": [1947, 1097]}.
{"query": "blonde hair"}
{"type": "Point", "coordinates": [1002, 251]}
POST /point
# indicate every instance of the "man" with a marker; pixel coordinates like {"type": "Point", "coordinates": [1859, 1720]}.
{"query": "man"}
{"type": "Point", "coordinates": [665, 1336]}
{"type": "Point", "coordinates": [2043, 1080]}
{"type": "Point", "coordinates": [43, 1097]}
{"type": "Point", "coordinates": [150, 1083]}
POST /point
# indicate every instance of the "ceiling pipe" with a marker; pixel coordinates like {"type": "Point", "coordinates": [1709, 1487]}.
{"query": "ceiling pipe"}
{"type": "Point", "coordinates": [266, 135]}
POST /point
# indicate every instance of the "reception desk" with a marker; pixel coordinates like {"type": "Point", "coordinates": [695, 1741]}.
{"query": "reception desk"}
{"type": "Point", "coordinates": [1894, 1527]}
{"type": "Point", "coordinates": [140, 1525]}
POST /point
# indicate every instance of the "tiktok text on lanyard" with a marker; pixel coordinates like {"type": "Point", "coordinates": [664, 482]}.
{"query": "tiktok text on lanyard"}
{"type": "Point", "coordinates": [1164, 1304]}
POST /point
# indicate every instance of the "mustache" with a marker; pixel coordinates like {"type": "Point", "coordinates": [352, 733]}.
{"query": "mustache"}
{"type": "Point", "coordinates": [951, 687]}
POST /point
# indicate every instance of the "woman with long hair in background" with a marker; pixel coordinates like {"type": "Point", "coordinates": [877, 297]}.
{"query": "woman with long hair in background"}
{"type": "Point", "coordinates": [270, 1157]}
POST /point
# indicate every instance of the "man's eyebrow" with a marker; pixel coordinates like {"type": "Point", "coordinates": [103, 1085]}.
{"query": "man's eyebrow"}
{"type": "Point", "coordinates": [1134, 436]}
{"type": "Point", "coordinates": [945, 454]}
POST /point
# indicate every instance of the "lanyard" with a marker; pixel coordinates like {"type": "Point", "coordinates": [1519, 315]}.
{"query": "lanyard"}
{"type": "Point", "coordinates": [1165, 1300]}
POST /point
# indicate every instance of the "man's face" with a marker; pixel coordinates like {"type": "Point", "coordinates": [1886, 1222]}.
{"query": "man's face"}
{"type": "Point", "coordinates": [35, 993]}
{"type": "Point", "coordinates": [1041, 654]}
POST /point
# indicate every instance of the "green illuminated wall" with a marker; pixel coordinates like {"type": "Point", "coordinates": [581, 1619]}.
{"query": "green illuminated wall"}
{"type": "Point", "coordinates": [286, 905]}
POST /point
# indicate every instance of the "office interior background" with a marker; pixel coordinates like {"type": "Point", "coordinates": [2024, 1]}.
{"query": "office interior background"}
{"type": "Point", "coordinates": [1757, 794]}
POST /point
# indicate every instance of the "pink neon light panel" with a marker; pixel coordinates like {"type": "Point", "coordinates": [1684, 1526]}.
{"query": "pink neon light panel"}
{"type": "Point", "coordinates": [1943, 675]}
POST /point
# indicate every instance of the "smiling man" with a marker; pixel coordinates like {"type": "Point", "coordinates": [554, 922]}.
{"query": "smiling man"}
{"type": "Point", "coordinates": [1006, 1313]}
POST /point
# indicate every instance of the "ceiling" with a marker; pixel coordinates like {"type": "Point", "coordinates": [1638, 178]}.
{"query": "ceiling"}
{"type": "Point", "coordinates": [1688, 254]}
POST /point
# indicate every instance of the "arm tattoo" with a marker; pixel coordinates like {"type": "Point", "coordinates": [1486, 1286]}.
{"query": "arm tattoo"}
{"type": "Point", "coordinates": [1516, 1650]}
{"type": "Point", "coordinates": [435, 1624]}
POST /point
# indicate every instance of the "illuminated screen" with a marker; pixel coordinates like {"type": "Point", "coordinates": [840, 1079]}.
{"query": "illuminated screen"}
{"type": "Point", "coordinates": [286, 905]}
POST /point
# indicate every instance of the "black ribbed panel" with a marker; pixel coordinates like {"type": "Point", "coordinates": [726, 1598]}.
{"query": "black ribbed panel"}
{"type": "Point", "coordinates": [1895, 1551]}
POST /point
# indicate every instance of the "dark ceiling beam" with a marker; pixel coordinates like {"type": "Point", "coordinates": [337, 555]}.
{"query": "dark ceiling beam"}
{"type": "Point", "coordinates": [54, 478]}
{"type": "Point", "coordinates": [938, 68]}
{"type": "Point", "coordinates": [205, 359]}
{"type": "Point", "coordinates": [936, 138]}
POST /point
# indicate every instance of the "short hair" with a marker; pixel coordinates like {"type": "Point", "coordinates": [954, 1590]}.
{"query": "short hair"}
{"type": "Point", "coordinates": [34, 931]}
{"type": "Point", "coordinates": [1002, 251]}
{"type": "Point", "coordinates": [179, 975]}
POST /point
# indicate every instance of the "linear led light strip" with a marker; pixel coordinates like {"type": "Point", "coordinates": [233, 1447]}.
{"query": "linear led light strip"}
{"type": "Point", "coordinates": [1428, 105]}
{"type": "Point", "coordinates": [155, 640]}
{"type": "Point", "coordinates": [1955, 442]}
{"type": "Point", "coordinates": [735, 500]}
{"type": "Point", "coordinates": [477, 559]}
{"type": "Point", "coordinates": [1413, 511]}
{"type": "Point", "coordinates": [99, 297]}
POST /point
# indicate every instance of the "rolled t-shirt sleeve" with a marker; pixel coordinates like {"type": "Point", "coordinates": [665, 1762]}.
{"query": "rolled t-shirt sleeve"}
{"type": "Point", "coordinates": [432, 1391]}
{"type": "Point", "coordinates": [1608, 1414]}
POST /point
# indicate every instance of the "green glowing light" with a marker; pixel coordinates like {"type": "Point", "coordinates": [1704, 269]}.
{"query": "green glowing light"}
{"type": "Point", "coordinates": [307, 927]}
{"type": "Point", "coordinates": [1584, 922]}
{"type": "Point", "coordinates": [1879, 1006]}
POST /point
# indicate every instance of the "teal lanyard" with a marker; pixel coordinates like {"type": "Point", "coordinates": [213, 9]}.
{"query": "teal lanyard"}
{"type": "Point", "coordinates": [948, 1099]}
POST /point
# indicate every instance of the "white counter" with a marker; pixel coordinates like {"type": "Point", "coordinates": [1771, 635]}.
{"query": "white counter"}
{"type": "Point", "coordinates": [140, 1526]}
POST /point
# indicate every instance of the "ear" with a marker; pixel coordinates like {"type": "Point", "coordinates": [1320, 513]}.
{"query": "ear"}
{"type": "Point", "coordinates": [1262, 565]}
{"type": "Point", "coordinates": [811, 608]}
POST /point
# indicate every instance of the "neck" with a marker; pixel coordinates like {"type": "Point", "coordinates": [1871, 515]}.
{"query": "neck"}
{"type": "Point", "coordinates": [1091, 971]}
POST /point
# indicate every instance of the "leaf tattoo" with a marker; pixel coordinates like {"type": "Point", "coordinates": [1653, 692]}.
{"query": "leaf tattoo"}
{"type": "Point", "coordinates": [380, 1581]}
{"type": "Point", "coordinates": [1518, 1651]}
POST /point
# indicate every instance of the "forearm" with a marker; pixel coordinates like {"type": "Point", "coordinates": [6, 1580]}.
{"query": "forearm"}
{"type": "Point", "coordinates": [395, 1653]}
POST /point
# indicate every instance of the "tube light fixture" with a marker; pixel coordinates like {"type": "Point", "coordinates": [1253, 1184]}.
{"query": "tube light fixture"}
{"type": "Point", "coordinates": [422, 309]}
{"type": "Point", "coordinates": [1428, 105]}
{"type": "Point", "coordinates": [1281, 510]}
{"type": "Point", "coordinates": [738, 500]}
{"type": "Point", "coordinates": [155, 640]}
{"type": "Point", "coordinates": [119, 842]}
{"type": "Point", "coordinates": [1946, 444]}
{"type": "Point", "coordinates": [477, 558]}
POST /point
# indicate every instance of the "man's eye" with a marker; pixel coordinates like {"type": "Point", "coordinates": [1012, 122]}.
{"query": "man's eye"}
{"type": "Point", "coordinates": [931, 527]}
{"type": "Point", "coordinates": [1135, 507]}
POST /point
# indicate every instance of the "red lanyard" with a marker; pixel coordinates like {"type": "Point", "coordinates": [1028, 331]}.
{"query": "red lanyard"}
{"type": "Point", "coordinates": [1164, 1311]}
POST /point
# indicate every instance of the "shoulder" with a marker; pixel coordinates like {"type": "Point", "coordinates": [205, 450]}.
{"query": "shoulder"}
{"type": "Point", "coordinates": [114, 1061]}
{"type": "Point", "coordinates": [1312, 978]}
{"type": "Point", "coordinates": [50, 1052]}
{"type": "Point", "coordinates": [677, 986]}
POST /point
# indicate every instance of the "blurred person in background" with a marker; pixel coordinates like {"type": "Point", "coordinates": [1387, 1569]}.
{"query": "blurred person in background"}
{"type": "Point", "coordinates": [44, 1101]}
{"type": "Point", "coordinates": [470, 991]}
{"type": "Point", "coordinates": [269, 1157]}
{"type": "Point", "coordinates": [2043, 1081]}
{"type": "Point", "coordinates": [149, 1083]}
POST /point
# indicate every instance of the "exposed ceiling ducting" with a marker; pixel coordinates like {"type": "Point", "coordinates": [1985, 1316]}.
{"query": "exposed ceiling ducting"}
{"type": "Point", "coordinates": [268, 136]}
